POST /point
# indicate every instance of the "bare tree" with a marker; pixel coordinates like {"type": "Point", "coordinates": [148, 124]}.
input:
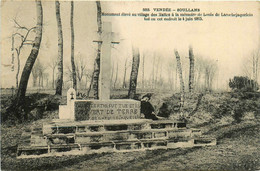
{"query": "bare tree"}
{"type": "Point", "coordinates": [53, 65]}
{"type": "Point", "coordinates": [210, 72]}
{"type": "Point", "coordinates": [97, 61]}
{"type": "Point", "coordinates": [32, 57]}
{"type": "Point", "coordinates": [37, 73]}
{"type": "Point", "coordinates": [198, 70]}
{"type": "Point", "coordinates": [80, 69]}
{"type": "Point", "coordinates": [134, 73]}
{"type": "Point", "coordinates": [46, 77]}
{"type": "Point", "coordinates": [250, 65]}
{"type": "Point", "coordinates": [59, 81]}
{"type": "Point", "coordinates": [255, 63]}
{"type": "Point", "coordinates": [72, 47]}
{"type": "Point", "coordinates": [191, 76]}
{"type": "Point", "coordinates": [23, 38]}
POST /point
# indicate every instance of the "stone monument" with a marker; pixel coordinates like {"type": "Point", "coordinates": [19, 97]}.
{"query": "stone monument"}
{"type": "Point", "coordinates": [105, 125]}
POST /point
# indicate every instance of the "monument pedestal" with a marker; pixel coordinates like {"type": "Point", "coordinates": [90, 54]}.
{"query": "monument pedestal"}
{"type": "Point", "coordinates": [68, 137]}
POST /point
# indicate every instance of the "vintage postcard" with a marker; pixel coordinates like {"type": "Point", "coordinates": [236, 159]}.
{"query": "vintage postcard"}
{"type": "Point", "coordinates": [130, 85]}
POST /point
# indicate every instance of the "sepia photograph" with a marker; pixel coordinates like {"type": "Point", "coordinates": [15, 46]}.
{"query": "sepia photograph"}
{"type": "Point", "coordinates": [130, 85]}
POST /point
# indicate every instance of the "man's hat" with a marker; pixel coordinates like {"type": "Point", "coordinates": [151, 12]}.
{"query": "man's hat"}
{"type": "Point", "coordinates": [149, 95]}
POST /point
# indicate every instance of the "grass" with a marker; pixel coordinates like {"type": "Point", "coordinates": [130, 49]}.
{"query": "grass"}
{"type": "Point", "coordinates": [237, 142]}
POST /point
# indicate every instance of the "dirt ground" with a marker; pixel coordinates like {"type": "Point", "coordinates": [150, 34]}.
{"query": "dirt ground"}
{"type": "Point", "coordinates": [238, 148]}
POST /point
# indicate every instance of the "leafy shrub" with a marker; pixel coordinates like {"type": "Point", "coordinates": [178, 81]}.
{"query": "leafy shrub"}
{"type": "Point", "coordinates": [240, 83]}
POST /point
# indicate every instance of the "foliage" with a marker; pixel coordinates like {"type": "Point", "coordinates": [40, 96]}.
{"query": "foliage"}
{"type": "Point", "coordinates": [32, 109]}
{"type": "Point", "coordinates": [240, 83]}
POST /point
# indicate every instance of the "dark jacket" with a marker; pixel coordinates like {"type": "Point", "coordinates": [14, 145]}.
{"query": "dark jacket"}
{"type": "Point", "coordinates": [147, 109]}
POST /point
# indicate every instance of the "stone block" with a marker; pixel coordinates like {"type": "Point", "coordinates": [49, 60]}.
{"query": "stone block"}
{"type": "Point", "coordinates": [118, 136]}
{"type": "Point", "coordinates": [135, 127]}
{"type": "Point", "coordinates": [66, 129]}
{"type": "Point", "coordinates": [95, 128]}
{"type": "Point", "coordinates": [179, 133]}
{"type": "Point", "coordinates": [101, 147]}
{"type": "Point", "coordinates": [66, 112]}
{"type": "Point", "coordinates": [60, 139]}
{"type": "Point", "coordinates": [141, 135]}
{"type": "Point", "coordinates": [88, 138]}
{"type": "Point", "coordinates": [180, 143]}
{"type": "Point", "coordinates": [121, 127]}
{"type": "Point", "coordinates": [196, 132]}
{"type": "Point", "coordinates": [37, 140]}
{"type": "Point", "coordinates": [154, 144]}
{"type": "Point", "coordinates": [162, 134]}
{"type": "Point", "coordinates": [161, 125]}
{"type": "Point", "coordinates": [124, 146]}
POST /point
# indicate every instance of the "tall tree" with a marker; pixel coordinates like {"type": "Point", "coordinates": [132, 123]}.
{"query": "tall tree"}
{"type": "Point", "coordinates": [181, 79]}
{"type": "Point", "coordinates": [191, 76]}
{"type": "Point", "coordinates": [72, 47]}
{"type": "Point", "coordinates": [97, 61]}
{"type": "Point", "coordinates": [32, 57]}
{"type": "Point", "coordinates": [59, 81]}
{"type": "Point", "coordinates": [134, 73]}
{"type": "Point", "coordinates": [178, 59]}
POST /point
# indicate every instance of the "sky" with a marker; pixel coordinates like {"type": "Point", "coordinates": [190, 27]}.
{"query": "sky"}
{"type": "Point", "coordinates": [227, 40]}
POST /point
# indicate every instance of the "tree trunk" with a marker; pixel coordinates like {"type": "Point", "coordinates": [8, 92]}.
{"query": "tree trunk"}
{"type": "Point", "coordinates": [32, 57]}
{"type": "Point", "coordinates": [60, 51]}
{"type": "Point", "coordinates": [181, 79]}
{"type": "Point", "coordinates": [153, 73]}
{"type": "Point", "coordinates": [53, 80]}
{"type": "Point", "coordinates": [134, 74]}
{"type": "Point", "coordinates": [124, 83]}
{"type": "Point", "coordinates": [112, 74]}
{"type": "Point", "coordinates": [91, 83]}
{"type": "Point", "coordinates": [34, 81]}
{"type": "Point", "coordinates": [156, 74]}
{"type": "Point", "coordinates": [143, 72]}
{"type": "Point", "coordinates": [116, 75]}
{"type": "Point", "coordinates": [180, 71]}
{"type": "Point", "coordinates": [74, 79]}
{"type": "Point", "coordinates": [97, 61]}
{"type": "Point", "coordinates": [191, 76]}
{"type": "Point", "coordinates": [18, 69]}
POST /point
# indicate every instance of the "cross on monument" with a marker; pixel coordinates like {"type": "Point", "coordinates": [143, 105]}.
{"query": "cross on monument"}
{"type": "Point", "coordinates": [72, 94]}
{"type": "Point", "coordinates": [105, 61]}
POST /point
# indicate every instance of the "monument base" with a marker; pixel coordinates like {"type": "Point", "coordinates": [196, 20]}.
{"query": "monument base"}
{"type": "Point", "coordinates": [64, 137]}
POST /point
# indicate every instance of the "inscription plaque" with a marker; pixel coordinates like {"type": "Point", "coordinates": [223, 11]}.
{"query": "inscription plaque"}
{"type": "Point", "coordinates": [106, 109]}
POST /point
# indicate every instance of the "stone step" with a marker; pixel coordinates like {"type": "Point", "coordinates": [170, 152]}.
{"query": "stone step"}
{"type": "Point", "coordinates": [107, 136]}
{"type": "Point", "coordinates": [113, 146]}
{"type": "Point", "coordinates": [99, 126]}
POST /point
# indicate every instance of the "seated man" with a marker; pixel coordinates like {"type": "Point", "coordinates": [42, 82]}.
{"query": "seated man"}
{"type": "Point", "coordinates": [146, 108]}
